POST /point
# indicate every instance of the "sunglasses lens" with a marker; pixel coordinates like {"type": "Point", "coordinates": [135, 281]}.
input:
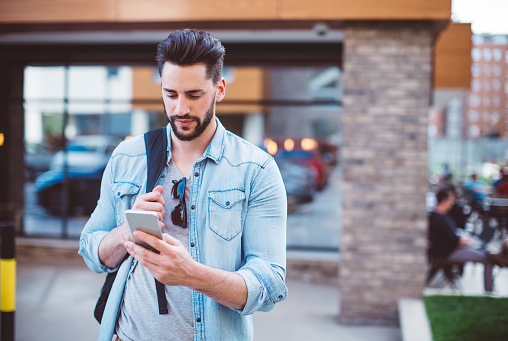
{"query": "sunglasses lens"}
{"type": "Point", "coordinates": [176, 215]}
{"type": "Point", "coordinates": [179, 214]}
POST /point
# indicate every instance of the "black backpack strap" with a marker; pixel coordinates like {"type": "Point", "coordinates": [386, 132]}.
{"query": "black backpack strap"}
{"type": "Point", "coordinates": [156, 142]}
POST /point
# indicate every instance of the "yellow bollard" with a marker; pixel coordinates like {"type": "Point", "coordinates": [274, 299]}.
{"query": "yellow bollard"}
{"type": "Point", "coordinates": [7, 281]}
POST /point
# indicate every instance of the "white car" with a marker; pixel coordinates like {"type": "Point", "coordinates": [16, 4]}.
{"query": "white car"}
{"type": "Point", "coordinates": [86, 153]}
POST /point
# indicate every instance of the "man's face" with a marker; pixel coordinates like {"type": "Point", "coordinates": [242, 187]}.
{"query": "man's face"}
{"type": "Point", "coordinates": [189, 99]}
{"type": "Point", "coordinates": [450, 202]}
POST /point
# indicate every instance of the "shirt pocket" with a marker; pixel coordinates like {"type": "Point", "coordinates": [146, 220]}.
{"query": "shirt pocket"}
{"type": "Point", "coordinates": [125, 194]}
{"type": "Point", "coordinates": [225, 212]}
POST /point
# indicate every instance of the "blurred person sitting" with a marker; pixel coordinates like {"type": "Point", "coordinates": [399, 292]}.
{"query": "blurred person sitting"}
{"type": "Point", "coordinates": [501, 185]}
{"type": "Point", "coordinates": [477, 188]}
{"type": "Point", "coordinates": [445, 244]}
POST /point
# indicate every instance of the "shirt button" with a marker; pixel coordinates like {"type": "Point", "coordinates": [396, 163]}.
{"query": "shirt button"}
{"type": "Point", "coordinates": [281, 297]}
{"type": "Point", "coordinates": [196, 174]}
{"type": "Point", "coordinates": [198, 319]}
{"type": "Point", "coordinates": [227, 203]}
{"type": "Point", "coordinates": [163, 176]}
{"type": "Point", "coordinates": [193, 207]}
{"type": "Point", "coordinates": [192, 244]}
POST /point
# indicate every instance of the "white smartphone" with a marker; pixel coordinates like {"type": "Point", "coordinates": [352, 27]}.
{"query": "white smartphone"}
{"type": "Point", "coordinates": [146, 221]}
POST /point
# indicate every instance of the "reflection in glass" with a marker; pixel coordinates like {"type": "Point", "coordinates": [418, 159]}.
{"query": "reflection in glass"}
{"type": "Point", "coordinates": [76, 116]}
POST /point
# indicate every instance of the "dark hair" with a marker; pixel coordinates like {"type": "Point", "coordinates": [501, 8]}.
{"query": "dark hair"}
{"type": "Point", "coordinates": [189, 47]}
{"type": "Point", "coordinates": [444, 194]}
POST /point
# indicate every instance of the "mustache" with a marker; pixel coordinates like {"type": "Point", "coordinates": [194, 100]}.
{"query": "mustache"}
{"type": "Point", "coordinates": [184, 117]}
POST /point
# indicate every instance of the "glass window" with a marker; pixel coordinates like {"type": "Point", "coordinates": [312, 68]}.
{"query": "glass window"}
{"type": "Point", "coordinates": [497, 70]}
{"type": "Point", "coordinates": [497, 54]}
{"type": "Point", "coordinates": [74, 117]}
{"type": "Point", "coordinates": [486, 70]}
{"type": "Point", "coordinates": [495, 118]}
{"type": "Point", "coordinates": [88, 110]}
{"type": "Point", "coordinates": [477, 39]}
{"type": "Point", "coordinates": [476, 54]}
{"type": "Point", "coordinates": [500, 39]}
{"type": "Point", "coordinates": [476, 85]}
{"type": "Point", "coordinates": [474, 100]}
{"type": "Point", "coordinates": [474, 131]}
{"type": "Point", "coordinates": [486, 86]}
{"type": "Point", "coordinates": [496, 84]}
{"type": "Point", "coordinates": [475, 70]}
{"type": "Point", "coordinates": [487, 54]}
{"type": "Point", "coordinates": [473, 116]}
{"type": "Point", "coordinates": [496, 101]}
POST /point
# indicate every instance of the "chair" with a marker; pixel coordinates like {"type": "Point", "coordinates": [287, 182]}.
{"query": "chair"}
{"type": "Point", "coordinates": [452, 271]}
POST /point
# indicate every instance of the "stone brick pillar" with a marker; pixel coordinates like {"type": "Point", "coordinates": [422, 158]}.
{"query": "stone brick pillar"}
{"type": "Point", "coordinates": [387, 91]}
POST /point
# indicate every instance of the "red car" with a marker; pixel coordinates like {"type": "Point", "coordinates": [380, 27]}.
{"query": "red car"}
{"type": "Point", "coordinates": [318, 156]}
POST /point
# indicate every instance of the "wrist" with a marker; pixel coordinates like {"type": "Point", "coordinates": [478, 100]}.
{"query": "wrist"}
{"type": "Point", "coordinates": [124, 233]}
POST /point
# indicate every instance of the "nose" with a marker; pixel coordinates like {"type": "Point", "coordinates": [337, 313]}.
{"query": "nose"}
{"type": "Point", "coordinates": [182, 106]}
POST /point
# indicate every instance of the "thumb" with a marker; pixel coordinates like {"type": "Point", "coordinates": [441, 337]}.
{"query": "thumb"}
{"type": "Point", "coordinates": [159, 189]}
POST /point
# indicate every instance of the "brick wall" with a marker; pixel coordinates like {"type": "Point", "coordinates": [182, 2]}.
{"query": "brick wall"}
{"type": "Point", "coordinates": [387, 84]}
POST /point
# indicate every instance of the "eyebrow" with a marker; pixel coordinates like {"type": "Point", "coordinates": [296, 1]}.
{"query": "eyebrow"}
{"type": "Point", "coordinates": [188, 92]}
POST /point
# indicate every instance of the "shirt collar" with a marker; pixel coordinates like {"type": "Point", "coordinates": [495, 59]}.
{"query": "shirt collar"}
{"type": "Point", "coordinates": [215, 149]}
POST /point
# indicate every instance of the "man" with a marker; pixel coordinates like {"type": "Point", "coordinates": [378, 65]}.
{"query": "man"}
{"type": "Point", "coordinates": [476, 187]}
{"type": "Point", "coordinates": [445, 244]}
{"type": "Point", "coordinates": [224, 258]}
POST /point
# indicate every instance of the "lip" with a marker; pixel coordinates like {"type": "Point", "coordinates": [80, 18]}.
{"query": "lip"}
{"type": "Point", "coordinates": [184, 123]}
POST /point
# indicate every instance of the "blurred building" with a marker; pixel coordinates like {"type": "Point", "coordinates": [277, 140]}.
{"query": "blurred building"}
{"type": "Point", "coordinates": [486, 107]}
{"type": "Point", "coordinates": [481, 111]}
{"type": "Point", "coordinates": [468, 126]}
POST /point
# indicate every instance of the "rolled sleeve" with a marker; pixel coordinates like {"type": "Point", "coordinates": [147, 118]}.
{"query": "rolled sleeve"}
{"type": "Point", "coordinates": [265, 286]}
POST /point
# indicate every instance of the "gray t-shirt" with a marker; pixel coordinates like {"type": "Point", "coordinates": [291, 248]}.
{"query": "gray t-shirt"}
{"type": "Point", "coordinates": [139, 317]}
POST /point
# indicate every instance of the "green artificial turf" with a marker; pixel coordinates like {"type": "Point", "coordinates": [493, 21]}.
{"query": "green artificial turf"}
{"type": "Point", "coordinates": [467, 318]}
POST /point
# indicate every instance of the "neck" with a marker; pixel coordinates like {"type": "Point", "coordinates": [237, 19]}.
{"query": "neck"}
{"type": "Point", "coordinates": [185, 153]}
{"type": "Point", "coordinates": [440, 209]}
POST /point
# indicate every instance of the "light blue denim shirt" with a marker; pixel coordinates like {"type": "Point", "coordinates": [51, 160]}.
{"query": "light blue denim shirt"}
{"type": "Point", "coordinates": [237, 222]}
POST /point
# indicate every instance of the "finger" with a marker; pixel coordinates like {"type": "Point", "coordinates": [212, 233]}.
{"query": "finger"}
{"type": "Point", "coordinates": [154, 242]}
{"type": "Point", "coordinates": [149, 206]}
{"type": "Point", "coordinates": [157, 192]}
{"type": "Point", "coordinates": [155, 195]}
{"type": "Point", "coordinates": [144, 256]}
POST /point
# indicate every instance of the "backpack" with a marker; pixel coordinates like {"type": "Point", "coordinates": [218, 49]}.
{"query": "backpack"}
{"type": "Point", "coordinates": [155, 144]}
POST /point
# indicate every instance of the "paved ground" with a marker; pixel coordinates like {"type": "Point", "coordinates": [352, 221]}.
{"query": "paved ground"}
{"type": "Point", "coordinates": [55, 302]}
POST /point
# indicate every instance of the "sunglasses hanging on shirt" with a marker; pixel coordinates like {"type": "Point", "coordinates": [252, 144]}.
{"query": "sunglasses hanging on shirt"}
{"type": "Point", "coordinates": [179, 213]}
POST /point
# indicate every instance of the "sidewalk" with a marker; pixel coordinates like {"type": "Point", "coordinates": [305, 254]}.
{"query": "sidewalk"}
{"type": "Point", "coordinates": [55, 302]}
{"type": "Point", "coordinates": [56, 295]}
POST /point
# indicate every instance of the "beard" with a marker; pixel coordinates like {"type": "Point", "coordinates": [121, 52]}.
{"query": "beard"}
{"type": "Point", "coordinates": [187, 133]}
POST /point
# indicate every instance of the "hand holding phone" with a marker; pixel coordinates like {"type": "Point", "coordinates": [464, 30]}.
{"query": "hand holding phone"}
{"type": "Point", "coordinates": [146, 221]}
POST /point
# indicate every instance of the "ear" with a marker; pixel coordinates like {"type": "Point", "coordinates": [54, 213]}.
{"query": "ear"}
{"type": "Point", "coordinates": [221, 90]}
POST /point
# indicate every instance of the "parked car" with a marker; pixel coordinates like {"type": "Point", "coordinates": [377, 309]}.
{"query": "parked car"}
{"type": "Point", "coordinates": [318, 155]}
{"type": "Point", "coordinates": [86, 152]}
{"type": "Point", "coordinates": [87, 157]}
{"type": "Point", "coordinates": [298, 181]}
{"type": "Point", "coordinates": [311, 159]}
{"type": "Point", "coordinates": [37, 160]}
